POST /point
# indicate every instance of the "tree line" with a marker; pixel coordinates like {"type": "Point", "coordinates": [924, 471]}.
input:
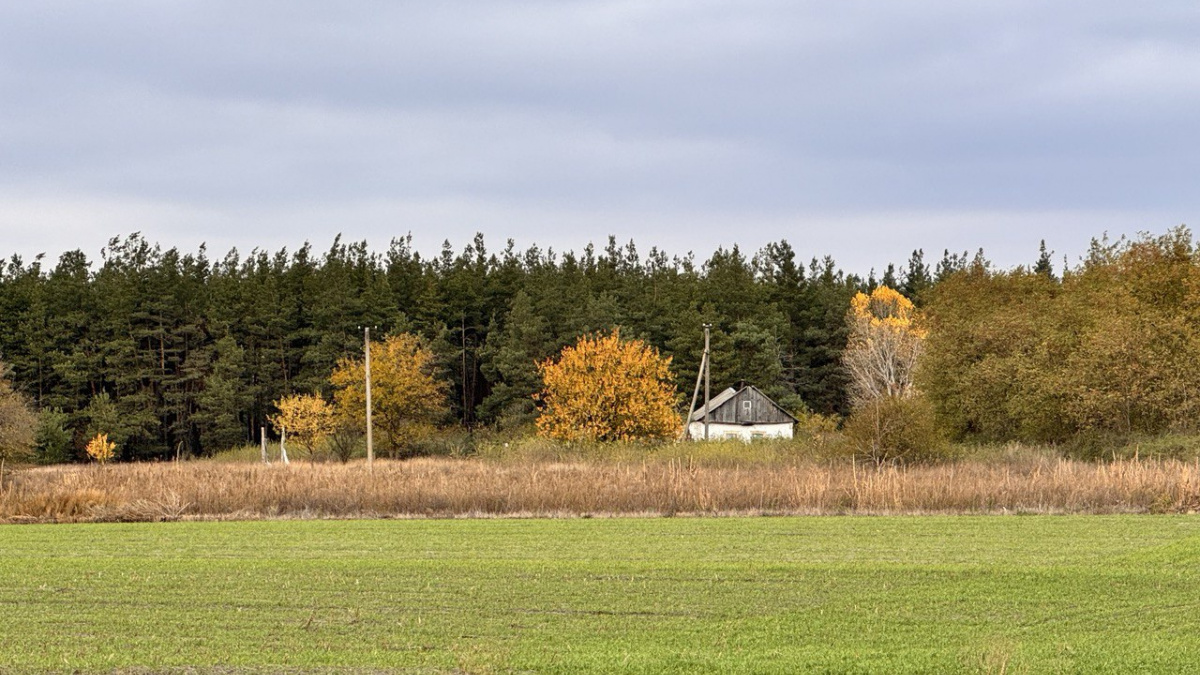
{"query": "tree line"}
{"type": "Point", "coordinates": [1111, 347]}
{"type": "Point", "coordinates": [176, 354]}
{"type": "Point", "coordinates": [1107, 352]}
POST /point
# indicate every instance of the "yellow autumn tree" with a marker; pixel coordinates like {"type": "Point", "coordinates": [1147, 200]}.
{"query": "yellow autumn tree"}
{"type": "Point", "coordinates": [406, 398]}
{"type": "Point", "coordinates": [100, 448]}
{"type": "Point", "coordinates": [890, 422]}
{"type": "Point", "coordinates": [307, 420]}
{"type": "Point", "coordinates": [604, 388]}
{"type": "Point", "coordinates": [885, 342]}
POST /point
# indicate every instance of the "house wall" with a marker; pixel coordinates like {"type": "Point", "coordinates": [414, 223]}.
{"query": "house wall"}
{"type": "Point", "coordinates": [717, 431]}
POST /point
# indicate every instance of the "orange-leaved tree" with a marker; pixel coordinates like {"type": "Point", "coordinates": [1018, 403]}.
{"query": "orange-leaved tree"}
{"type": "Point", "coordinates": [604, 388]}
{"type": "Point", "coordinates": [405, 395]}
{"type": "Point", "coordinates": [306, 418]}
{"type": "Point", "coordinates": [100, 448]}
{"type": "Point", "coordinates": [885, 342]}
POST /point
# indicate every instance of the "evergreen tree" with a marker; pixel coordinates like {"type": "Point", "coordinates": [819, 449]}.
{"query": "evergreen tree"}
{"type": "Point", "coordinates": [223, 404]}
{"type": "Point", "coordinates": [510, 359]}
{"type": "Point", "coordinates": [917, 279]}
{"type": "Point", "coordinates": [1043, 266]}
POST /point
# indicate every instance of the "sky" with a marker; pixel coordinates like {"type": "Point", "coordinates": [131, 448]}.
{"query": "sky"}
{"type": "Point", "coordinates": [861, 130]}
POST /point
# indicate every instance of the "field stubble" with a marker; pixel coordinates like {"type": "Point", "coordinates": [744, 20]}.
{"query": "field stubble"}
{"type": "Point", "coordinates": [588, 486]}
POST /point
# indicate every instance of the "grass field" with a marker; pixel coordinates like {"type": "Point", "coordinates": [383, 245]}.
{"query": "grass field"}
{"type": "Point", "coordinates": [770, 595]}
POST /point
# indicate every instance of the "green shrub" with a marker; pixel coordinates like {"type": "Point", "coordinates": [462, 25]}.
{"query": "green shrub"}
{"type": "Point", "coordinates": [1097, 444]}
{"type": "Point", "coordinates": [451, 442]}
{"type": "Point", "coordinates": [895, 430]}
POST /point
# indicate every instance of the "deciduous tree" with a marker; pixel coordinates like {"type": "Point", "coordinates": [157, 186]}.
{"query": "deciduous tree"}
{"type": "Point", "coordinates": [18, 424]}
{"type": "Point", "coordinates": [405, 394]}
{"type": "Point", "coordinates": [885, 342]}
{"type": "Point", "coordinates": [307, 419]}
{"type": "Point", "coordinates": [605, 388]}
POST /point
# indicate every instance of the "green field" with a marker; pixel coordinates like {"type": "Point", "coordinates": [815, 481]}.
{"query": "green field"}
{"type": "Point", "coordinates": [738, 595]}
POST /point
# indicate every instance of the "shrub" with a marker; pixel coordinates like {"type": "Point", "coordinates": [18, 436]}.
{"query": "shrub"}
{"type": "Point", "coordinates": [891, 429]}
{"type": "Point", "coordinates": [347, 439]}
{"type": "Point", "coordinates": [101, 449]}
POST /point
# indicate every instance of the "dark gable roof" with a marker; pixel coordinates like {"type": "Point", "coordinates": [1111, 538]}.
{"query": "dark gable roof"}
{"type": "Point", "coordinates": [727, 408]}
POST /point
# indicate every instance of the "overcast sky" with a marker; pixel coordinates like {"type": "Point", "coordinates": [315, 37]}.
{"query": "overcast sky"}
{"type": "Point", "coordinates": [857, 129]}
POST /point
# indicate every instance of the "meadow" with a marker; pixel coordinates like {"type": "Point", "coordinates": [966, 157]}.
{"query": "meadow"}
{"type": "Point", "coordinates": [652, 595]}
{"type": "Point", "coordinates": [551, 480]}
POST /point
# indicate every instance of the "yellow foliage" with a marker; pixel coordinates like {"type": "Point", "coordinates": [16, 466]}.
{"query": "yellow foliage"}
{"type": "Point", "coordinates": [307, 418]}
{"type": "Point", "coordinates": [886, 337]}
{"type": "Point", "coordinates": [405, 396]}
{"type": "Point", "coordinates": [885, 308]}
{"type": "Point", "coordinates": [607, 389]}
{"type": "Point", "coordinates": [101, 449]}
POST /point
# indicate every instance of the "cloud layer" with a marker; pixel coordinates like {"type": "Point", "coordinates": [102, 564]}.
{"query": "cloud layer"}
{"type": "Point", "coordinates": [861, 129]}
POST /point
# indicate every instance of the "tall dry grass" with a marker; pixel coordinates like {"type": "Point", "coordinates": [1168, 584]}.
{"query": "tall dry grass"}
{"type": "Point", "coordinates": [448, 487]}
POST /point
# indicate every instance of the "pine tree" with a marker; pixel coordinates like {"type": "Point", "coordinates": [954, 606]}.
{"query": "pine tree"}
{"type": "Point", "coordinates": [917, 279]}
{"type": "Point", "coordinates": [1044, 266]}
{"type": "Point", "coordinates": [222, 404]}
{"type": "Point", "coordinates": [510, 359]}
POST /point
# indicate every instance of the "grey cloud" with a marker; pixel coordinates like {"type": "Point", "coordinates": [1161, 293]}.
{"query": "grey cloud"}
{"type": "Point", "coordinates": [771, 110]}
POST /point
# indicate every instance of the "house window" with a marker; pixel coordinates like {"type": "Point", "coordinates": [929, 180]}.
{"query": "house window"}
{"type": "Point", "coordinates": [748, 409]}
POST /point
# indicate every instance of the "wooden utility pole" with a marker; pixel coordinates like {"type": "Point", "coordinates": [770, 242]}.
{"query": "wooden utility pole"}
{"type": "Point", "coordinates": [367, 351]}
{"type": "Point", "coordinates": [687, 424]}
{"type": "Point", "coordinates": [707, 372]}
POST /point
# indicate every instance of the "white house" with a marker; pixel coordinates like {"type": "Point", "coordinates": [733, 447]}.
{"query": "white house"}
{"type": "Point", "coordinates": [745, 414]}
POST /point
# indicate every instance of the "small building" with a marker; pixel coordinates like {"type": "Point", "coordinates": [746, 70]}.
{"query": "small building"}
{"type": "Point", "coordinates": [745, 414]}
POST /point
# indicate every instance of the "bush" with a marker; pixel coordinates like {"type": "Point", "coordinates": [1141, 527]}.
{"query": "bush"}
{"type": "Point", "coordinates": [1096, 444]}
{"type": "Point", "coordinates": [347, 440]}
{"type": "Point", "coordinates": [430, 442]}
{"type": "Point", "coordinates": [892, 430]}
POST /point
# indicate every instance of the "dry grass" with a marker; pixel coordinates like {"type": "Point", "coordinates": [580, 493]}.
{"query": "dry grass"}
{"type": "Point", "coordinates": [1014, 482]}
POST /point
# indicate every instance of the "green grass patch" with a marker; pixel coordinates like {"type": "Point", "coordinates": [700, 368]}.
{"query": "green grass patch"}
{"type": "Point", "coordinates": [745, 595]}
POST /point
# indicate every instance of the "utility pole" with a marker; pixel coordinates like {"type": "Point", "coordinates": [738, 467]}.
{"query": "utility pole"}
{"type": "Point", "coordinates": [707, 371]}
{"type": "Point", "coordinates": [687, 425]}
{"type": "Point", "coordinates": [367, 351]}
